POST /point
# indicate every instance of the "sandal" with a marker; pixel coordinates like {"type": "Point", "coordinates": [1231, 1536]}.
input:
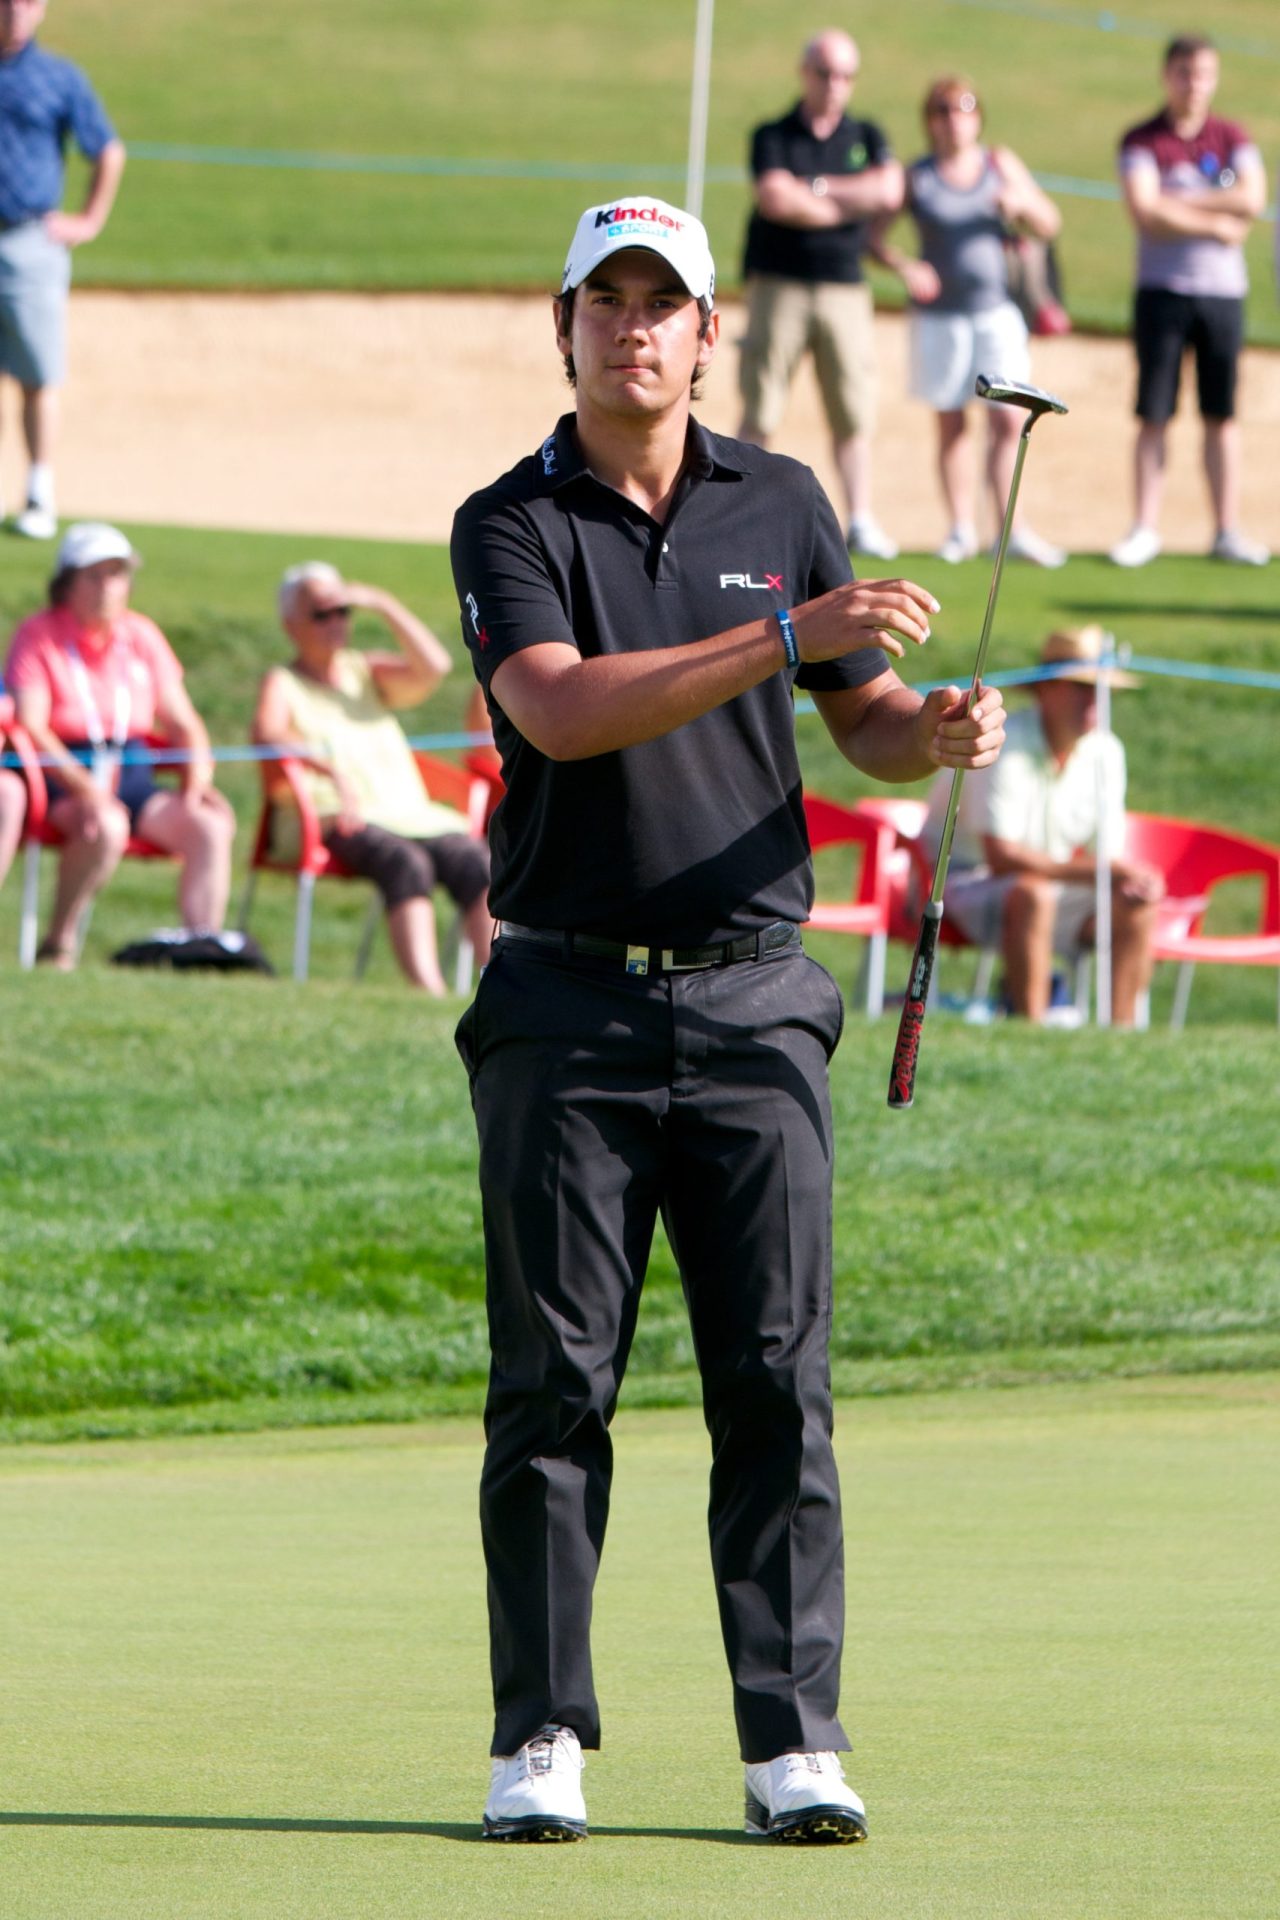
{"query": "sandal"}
{"type": "Point", "coordinates": [61, 959]}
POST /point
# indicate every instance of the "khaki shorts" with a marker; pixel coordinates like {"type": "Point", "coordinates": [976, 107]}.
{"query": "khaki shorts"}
{"type": "Point", "coordinates": [787, 319]}
{"type": "Point", "coordinates": [975, 899]}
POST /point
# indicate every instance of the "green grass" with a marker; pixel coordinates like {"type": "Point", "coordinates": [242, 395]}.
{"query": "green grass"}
{"type": "Point", "coordinates": [569, 83]}
{"type": "Point", "coordinates": [248, 1675]}
{"type": "Point", "coordinates": [231, 1202]}
{"type": "Point", "coordinates": [228, 1201]}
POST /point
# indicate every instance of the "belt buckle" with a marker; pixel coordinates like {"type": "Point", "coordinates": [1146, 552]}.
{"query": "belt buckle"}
{"type": "Point", "coordinates": [671, 965]}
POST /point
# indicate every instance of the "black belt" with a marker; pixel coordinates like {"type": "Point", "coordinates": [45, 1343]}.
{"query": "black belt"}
{"type": "Point", "coordinates": [639, 956]}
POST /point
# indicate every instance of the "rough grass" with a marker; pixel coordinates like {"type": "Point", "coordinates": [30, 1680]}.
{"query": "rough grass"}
{"type": "Point", "coordinates": [231, 1201]}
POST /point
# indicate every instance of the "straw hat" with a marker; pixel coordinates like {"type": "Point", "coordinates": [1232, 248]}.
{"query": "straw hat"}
{"type": "Point", "coordinates": [1082, 648]}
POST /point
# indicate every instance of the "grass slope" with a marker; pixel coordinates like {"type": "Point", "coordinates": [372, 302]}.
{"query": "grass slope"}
{"type": "Point", "coordinates": [609, 97]}
{"type": "Point", "coordinates": [248, 1676]}
{"type": "Point", "coordinates": [228, 1201]}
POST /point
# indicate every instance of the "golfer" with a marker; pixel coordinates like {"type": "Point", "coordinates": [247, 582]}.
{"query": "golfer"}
{"type": "Point", "coordinates": [640, 597]}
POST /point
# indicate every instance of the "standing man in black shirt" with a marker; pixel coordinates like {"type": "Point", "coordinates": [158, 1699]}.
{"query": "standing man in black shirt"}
{"type": "Point", "coordinates": [820, 178]}
{"type": "Point", "coordinates": [639, 597]}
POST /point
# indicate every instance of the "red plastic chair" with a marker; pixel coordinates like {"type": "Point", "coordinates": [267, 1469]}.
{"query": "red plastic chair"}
{"type": "Point", "coordinates": [866, 913]}
{"type": "Point", "coordinates": [451, 784]}
{"type": "Point", "coordinates": [38, 832]}
{"type": "Point", "coordinates": [1195, 859]}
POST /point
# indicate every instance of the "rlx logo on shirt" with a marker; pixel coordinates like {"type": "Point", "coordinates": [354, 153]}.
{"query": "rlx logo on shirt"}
{"type": "Point", "coordinates": [772, 582]}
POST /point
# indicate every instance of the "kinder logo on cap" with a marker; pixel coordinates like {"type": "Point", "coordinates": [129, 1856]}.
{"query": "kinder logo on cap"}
{"type": "Point", "coordinates": [606, 217]}
{"type": "Point", "coordinates": [643, 222]}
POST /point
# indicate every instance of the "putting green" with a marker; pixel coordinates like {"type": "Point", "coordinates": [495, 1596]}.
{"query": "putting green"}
{"type": "Point", "coordinates": [245, 1676]}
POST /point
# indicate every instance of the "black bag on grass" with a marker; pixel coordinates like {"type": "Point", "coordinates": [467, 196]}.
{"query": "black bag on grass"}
{"type": "Point", "coordinates": [183, 951]}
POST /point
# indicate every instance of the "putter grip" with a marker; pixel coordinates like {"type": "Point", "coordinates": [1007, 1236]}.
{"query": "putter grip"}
{"type": "Point", "coordinates": [902, 1077]}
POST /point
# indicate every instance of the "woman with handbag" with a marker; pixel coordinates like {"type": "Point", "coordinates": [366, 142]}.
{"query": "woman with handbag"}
{"type": "Point", "coordinates": [967, 201]}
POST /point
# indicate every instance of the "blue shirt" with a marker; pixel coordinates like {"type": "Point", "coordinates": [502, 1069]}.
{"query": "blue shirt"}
{"type": "Point", "coordinates": [44, 101]}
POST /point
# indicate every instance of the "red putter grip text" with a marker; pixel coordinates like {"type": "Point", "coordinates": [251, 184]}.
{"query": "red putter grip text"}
{"type": "Point", "coordinates": [902, 1076]}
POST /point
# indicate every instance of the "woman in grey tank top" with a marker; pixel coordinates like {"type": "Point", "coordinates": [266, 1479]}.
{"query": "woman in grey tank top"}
{"type": "Point", "coordinates": [963, 197]}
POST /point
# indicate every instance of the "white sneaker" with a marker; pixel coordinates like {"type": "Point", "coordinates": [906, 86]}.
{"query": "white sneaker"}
{"type": "Point", "coordinates": [1239, 550]}
{"type": "Point", "coordinates": [960, 544]}
{"type": "Point", "coordinates": [36, 523]}
{"type": "Point", "coordinates": [1065, 1019]}
{"type": "Point", "coordinates": [536, 1794]}
{"type": "Point", "coordinates": [803, 1796]}
{"type": "Point", "coordinates": [867, 536]}
{"type": "Point", "coordinates": [1025, 545]}
{"type": "Point", "coordinates": [1139, 546]}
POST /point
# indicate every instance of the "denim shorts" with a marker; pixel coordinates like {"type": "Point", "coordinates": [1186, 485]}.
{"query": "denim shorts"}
{"type": "Point", "coordinates": [35, 274]}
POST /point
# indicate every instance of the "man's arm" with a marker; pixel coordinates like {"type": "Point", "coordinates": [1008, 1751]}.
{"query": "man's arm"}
{"type": "Point", "coordinates": [75, 229]}
{"type": "Point", "coordinates": [403, 679]}
{"type": "Point", "coordinates": [891, 733]}
{"type": "Point", "coordinates": [1176, 216]}
{"type": "Point", "coordinates": [571, 709]}
{"type": "Point", "coordinates": [834, 200]}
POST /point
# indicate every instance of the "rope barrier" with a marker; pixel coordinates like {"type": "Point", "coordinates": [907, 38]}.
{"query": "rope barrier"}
{"type": "Point", "coordinates": [447, 742]}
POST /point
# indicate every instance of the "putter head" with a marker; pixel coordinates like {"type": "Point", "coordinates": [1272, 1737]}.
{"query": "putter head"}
{"type": "Point", "coordinates": [1016, 393]}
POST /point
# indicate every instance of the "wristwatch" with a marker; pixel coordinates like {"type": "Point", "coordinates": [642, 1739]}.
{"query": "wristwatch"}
{"type": "Point", "coordinates": [819, 185]}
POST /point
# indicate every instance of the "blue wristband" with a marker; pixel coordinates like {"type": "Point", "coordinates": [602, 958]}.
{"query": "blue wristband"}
{"type": "Point", "coordinates": [789, 646]}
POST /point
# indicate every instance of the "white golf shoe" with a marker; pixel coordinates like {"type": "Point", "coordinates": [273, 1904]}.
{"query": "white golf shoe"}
{"type": "Point", "coordinates": [1138, 548]}
{"type": "Point", "coordinates": [1238, 550]}
{"type": "Point", "coordinates": [536, 1794]}
{"type": "Point", "coordinates": [803, 1796]}
{"type": "Point", "coordinates": [866, 535]}
{"type": "Point", "coordinates": [36, 523]}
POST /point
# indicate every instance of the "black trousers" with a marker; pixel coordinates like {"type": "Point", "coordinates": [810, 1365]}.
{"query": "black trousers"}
{"type": "Point", "coordinates": [602, 1099]}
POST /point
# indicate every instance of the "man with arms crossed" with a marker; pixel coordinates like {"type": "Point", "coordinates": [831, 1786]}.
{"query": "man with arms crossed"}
{"type": "Point", "coordinates": [44, 101]}
{"type": "Point", "coordinates": [820, 178]}
{"type": "Point", "coordinates": [649, 1035]}
{"type": "Point", "coordinates": [1193, 184]}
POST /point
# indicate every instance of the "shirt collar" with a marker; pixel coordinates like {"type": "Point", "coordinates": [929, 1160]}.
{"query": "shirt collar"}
{"type": "Point", "coordinates": [709, 456]}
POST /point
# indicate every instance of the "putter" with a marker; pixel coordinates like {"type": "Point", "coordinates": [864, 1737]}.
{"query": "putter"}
{"type": "Point", "coordinates": [902, 1076]}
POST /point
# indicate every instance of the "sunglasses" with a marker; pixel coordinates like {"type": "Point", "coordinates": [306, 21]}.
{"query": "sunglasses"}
{"type": "Point", "coordinates": [836, 73]}
{"type": "Point", "coordinates": [322, 615]}
{"type": "Point", "coordinates": [965, 104]}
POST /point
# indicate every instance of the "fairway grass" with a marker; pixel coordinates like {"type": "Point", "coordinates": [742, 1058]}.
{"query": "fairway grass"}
{"type": "Point", "coordinates": [246, 1677]}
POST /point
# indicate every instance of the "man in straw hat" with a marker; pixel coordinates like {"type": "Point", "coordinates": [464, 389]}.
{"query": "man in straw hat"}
{"type": "Point", "coordinates": [1024, 861]}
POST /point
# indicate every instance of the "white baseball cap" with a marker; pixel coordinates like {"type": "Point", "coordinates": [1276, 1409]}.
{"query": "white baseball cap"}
{"type": "Point", "coordinates": [90, 541]}
{"type": "Point", "coordinates": [638, 220]}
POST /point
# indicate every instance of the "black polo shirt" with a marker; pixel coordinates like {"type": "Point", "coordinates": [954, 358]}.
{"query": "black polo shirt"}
{"type": "Point", "coordinates": [697, 836]}
{"type": "Point", "coordinates": [811, 253]}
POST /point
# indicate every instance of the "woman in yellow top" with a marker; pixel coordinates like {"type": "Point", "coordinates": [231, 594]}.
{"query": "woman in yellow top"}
{"type": "Point", "coordinates": [332, 705]}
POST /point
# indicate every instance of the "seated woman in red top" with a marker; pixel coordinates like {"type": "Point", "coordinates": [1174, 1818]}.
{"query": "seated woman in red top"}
{"type": "Point", "coordinates": [90, 678]}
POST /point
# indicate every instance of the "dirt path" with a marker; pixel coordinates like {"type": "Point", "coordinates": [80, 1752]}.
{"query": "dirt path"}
{"type": "Point", "coordinates": [375, 415]}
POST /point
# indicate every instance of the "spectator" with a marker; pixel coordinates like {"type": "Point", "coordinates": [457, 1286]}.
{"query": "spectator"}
{"type": "Point", "coordinates": [1193, 184]}
{"type": "Point", "coordinates": [44, 101]}
{"type": "Point", "coordinates": [820, 177]}
{"type": "Point", "coordinates": [330, 705]}
{"type": "Point", "coordinates": [964, 198]}
{"type": "Point", "coordinates": [1024, 865]}
{"type": "Point", "coordinates": [90, 679]}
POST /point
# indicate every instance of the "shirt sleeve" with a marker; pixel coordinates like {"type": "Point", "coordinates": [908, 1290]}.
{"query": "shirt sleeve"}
{"type": "Point", "coordinates": [24, 666]}
{"type": "Point", "coordinates": [85, 116]}
{"type": "Point", "coordinates": [1005, 801]}
{"type": "Point", "coordinates": [878, 145]}
{"type": "Point", "coordinates": [829, 569]}
{"type": "Point", "coordinates": [508, 598]}
{"type": "Point", "coordinates": [162, 662]}
{"type": "Point", "coordinates": [769, 151]}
